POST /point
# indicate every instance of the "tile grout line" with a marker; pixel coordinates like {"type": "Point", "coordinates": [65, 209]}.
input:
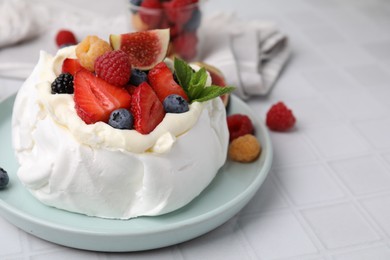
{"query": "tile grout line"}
{"type": "Point", "coordinates": [247, 245]}
{"type": "Point", "coordinates": [297, 214]}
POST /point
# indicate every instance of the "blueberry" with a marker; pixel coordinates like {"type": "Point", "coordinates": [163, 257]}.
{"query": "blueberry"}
{"type": "Point", "coordinates": [4, 179]}
{"type": "Point", "coordinates": [194, 21]}
{"type": "Point", "coordinates": [175, 104]}
{"type": "Point", "coordinates": [121, 119]}
{"type": "Point", "coordinates": [137, 77]}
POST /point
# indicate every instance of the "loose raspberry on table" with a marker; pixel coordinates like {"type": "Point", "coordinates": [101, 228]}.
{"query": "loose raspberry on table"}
{"type": "Point", "coordinates": [280, 118]}
{"type": "Point", "coordinates": [114, 67]}
{"type": "Point", "coordinates": [244, 149]}
{"type": "Point", "coordinates": [239, 125]}
{"type": "Point", "coordinates": [89, 49]}
{"type": "Point", "coordinates": [65, 38]}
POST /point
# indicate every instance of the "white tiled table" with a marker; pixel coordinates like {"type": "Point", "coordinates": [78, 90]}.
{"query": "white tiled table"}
{"type": "Point", "coordinates": [328, 193]}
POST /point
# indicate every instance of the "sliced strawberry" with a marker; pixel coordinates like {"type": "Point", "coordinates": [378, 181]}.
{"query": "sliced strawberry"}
{"type": "Point", "coordinates": [95, 99]}
{"type": "Point", "coordinates": [161, 79]}
{"type": "Point", "coordinates": [71, 66]}
{"type": "Point", "coordinates": [130, 88]}
{"type": "Point", "coordinates": [147, 110]}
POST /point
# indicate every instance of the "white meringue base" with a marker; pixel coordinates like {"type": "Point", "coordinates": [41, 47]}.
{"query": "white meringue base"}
{"type": "Point", "coordinates": [110, 182]}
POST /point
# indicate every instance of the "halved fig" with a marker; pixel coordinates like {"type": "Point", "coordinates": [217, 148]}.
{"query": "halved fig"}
{"type": "Point", "coordinates": [145, 49]}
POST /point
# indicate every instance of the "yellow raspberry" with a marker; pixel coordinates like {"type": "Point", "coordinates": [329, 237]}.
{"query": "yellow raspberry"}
{"type": "Point", "coordinates": [89, 49]}
{"type": "Point", "coordinates": [244, 149]}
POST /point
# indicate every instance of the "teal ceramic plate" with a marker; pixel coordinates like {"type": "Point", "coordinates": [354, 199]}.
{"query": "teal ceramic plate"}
{"type": "Point", "coordinates": [229, 192]}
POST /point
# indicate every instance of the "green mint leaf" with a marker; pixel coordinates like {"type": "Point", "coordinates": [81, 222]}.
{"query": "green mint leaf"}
{"type": "Point", "coordinates": [211, 92]}
{"type": "Point", "coordinates": [194, 83]}
{"type": "Point", "coordinates": [183, 73]}
{"type": "Point", "coordinates": [197, 83]}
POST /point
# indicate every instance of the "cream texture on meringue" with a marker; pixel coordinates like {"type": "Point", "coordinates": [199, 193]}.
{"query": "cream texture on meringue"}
{"type": "Point", "coordinates": [105, 172]}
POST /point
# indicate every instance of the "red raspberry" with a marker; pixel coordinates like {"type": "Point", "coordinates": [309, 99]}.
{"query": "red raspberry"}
{"type": "Point", "coordinates": [280, 118]}
{"type": "Point", "coordinates": [114, 67]}
{"type": "Point", "coordinates": [65, 37]}
{"type": "Point", "coordinates": [239, 125]}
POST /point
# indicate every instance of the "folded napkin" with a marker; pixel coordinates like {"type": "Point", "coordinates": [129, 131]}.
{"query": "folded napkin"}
{"type": "Point", "coordinates": [251, 54]}
{"type": "Point", "coordinates": [22, 20]}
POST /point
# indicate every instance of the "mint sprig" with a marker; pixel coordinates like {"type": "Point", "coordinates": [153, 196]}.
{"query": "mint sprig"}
{"type": "Point", "coordinates": [194, 83]}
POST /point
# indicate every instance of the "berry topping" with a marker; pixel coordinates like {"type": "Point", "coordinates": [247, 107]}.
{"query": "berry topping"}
{"type": "Point", "coordinates": [95, 99]}
{"type": "Point", "coordinates": [4, 179]}
{"type": "Point", "coordinates": [280, 118]}
{"type": "Point", "coordinates": [113, 67]}
{"type": "Point", "coordinates": [137, 77]}
{"type": "Point", "coordinates": [195, 83]}
{"type": "Point", "coordinates": [121, 119]}
{"type": "Point", "coordinates": [175, 104]}
{"type": "Point", "coordinates": [185, 45]}
{"type": "Point", "coordinates": [65, 38]}
{"type": "Point", "coordinates": [147, 110]}
{"type": "Point", "coordinates": [161, 79]}
{"type": "Point", "coordinates": [71, 66]}
{"type": "Point", "coordinates": [63, 84]}
{"type": "Point", "coordinates": [145, 49]}
{"type": "Point", "coordinates": [90, 49]}
{"type": "Point", "coordinates": [239, 125]}
{"type": "Point", "coordinates": [244, 149]}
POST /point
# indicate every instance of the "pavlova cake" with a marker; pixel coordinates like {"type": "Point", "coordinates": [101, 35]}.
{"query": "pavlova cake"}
{"type": "Point", "coordinates": [115, 130]}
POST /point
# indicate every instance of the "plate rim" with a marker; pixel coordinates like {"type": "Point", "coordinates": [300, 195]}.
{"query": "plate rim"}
{"type": "Point", "coordinates": [245, 194]}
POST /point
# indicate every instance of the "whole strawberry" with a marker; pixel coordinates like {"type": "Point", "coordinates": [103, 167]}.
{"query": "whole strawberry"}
{"type": "Point", "coordinates": [280, 118]}
{"type": "Point", "coordinates": [114, 67]}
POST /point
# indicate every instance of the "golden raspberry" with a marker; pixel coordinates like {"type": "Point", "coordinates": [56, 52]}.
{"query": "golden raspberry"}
{"type": "Point", "coordinates": [90, 49]}
{"type": "Point", "coordinates": [244, 149]}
